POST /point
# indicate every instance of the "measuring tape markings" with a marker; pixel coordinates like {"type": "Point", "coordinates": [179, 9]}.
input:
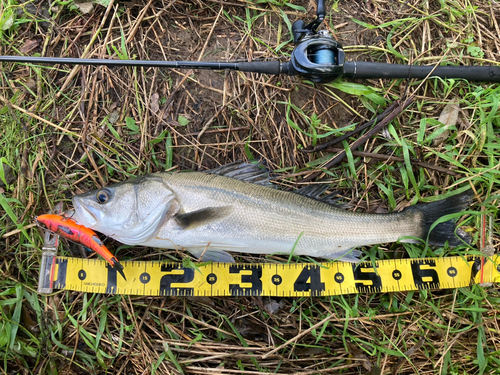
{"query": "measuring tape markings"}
{"type": "Point", "coordinates": [271, 279]}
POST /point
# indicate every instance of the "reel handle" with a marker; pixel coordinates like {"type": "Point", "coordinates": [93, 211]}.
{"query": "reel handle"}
{"type": "Point", "coordinates": [299, 31]}
{"type": "Point", "coordinates": [321, 9]}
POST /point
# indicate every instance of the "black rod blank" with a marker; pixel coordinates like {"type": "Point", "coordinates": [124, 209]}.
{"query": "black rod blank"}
{"type": "Point", "coordinates": [266, 67]}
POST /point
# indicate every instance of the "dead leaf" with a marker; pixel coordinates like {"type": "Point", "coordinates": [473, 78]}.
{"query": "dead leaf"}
{"type": "Point", "coordinates": [386, 134]}
{"type": "Point", "coordinates": [249, 329]}
{"type": "Point", "coordinates": [31, 84]}
{"type": "Point", "coordinates": [463, 119]}
{"type": "Point", "coordinates": [273, 307]}
{"type": "Point", "coordinates": [359, 355]}
{"type": "Point", "coordinates": [449, 118]}
{"type": "Point", "coordinates": [85, 8]}
{"type": "Point", "coordinates": [311, 352]}
{"type": "Point", "coordinates": [29, 46]}
{"type": "Point", "coordinates": [381, 210]}
{"type": "Point", "coordinates": [28, 320]}
{"type": "Point", "coordinates": [154, 103]}
{"type": "Point", "coordinates": [113, 117]}
{"type": "Point", "coordinates": [8, 174]}
{"type": "Point", "coordinates": [9, 21]}
{"type": "Point", "coordinates": [408, 354]}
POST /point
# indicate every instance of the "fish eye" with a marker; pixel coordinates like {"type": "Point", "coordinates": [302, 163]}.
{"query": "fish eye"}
{"type": "Point", "coordinates": [102, 196]}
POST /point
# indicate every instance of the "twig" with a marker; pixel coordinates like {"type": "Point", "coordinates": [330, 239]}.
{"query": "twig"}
{"type": "Point", "coordinates": [137, 336]}
{"type": "Point", "coordinates": [360, 128]}
{"type": "Point", "coordinates": [221, 130]}
{"type": "Point", "coordinates": [337, 159]}
{"type": "Point", "coordinates": [77, 68]}
{"type": "Point", "coordinates": [138, 22]}
{"type": "Point", "coordinates": [186, 75]}
{"type": "Point", "coordinates": [408, 354]}
{"type": "Point", "coordinates": [398, 159]}
{"type": "Point", "coordinates": [31, 114]}
{"type": "Point", "coordinates": [301, 334]}
{"type": "Point", "coordinates": [16, 231]}
{"type": "Point", "coordinates": [205, 127]}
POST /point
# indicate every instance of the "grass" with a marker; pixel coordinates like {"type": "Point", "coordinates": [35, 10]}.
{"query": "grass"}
{"type": "Point", "coordinates": [63, 136]}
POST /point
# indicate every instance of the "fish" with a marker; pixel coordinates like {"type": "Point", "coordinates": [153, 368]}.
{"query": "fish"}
{"type": "Point", "coordinates": [68, 228]}
{"type": "Point", "coordinates": [235, 208]}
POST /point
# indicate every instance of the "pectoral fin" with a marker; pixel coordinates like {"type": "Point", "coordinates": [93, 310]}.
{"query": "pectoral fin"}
{"type": "Point", "coordinates": [202, 217]}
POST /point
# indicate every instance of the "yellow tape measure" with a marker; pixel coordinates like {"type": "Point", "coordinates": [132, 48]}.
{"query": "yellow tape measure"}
{"type": "Point", "coordinates": [268, 279]}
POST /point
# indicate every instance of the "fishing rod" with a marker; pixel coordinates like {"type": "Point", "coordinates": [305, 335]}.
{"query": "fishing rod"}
{"type": "Point", "coordinates": [316, 56]}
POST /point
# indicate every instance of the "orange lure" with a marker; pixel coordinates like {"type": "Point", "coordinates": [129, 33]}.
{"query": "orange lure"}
{"type": "Point", "coordinates": [68, 228]}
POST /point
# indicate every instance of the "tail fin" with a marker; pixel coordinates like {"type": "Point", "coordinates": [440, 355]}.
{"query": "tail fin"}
{"type": "Point", "coordinates": [447, 231]}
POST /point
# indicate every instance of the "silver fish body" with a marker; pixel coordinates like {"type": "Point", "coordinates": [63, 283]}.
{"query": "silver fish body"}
{"type": "Point", "coordinates": [202, 212]}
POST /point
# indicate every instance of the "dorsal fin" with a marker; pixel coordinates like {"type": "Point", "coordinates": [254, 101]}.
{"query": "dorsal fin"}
{"type": "Point", "coordinates": [314, 191]}
{"type": "Point", "coordinates": [255, 173]}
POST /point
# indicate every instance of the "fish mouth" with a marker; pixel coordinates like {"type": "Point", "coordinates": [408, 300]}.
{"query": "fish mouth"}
{"type": "Point", "coordinates": [84, 215]}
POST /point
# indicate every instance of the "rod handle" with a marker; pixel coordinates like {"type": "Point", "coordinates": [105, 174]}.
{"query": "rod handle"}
{"type": "Point", "coordinates": [264, 67]}
{"type": "Point", "coordinates": [364, 70]}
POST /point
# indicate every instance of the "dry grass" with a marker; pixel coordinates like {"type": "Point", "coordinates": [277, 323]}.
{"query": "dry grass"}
{"type": "Point", "coordinates": [68, 130]}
